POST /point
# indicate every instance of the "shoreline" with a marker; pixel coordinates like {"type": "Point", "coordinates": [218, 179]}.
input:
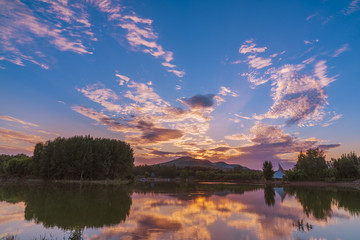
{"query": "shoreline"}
{"type": "Point", "coordinates": [103, 182]}
{"type": "Point", "coordinates": [348, 184]}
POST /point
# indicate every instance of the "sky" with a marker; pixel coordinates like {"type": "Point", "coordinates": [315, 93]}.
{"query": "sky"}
{"type": "Point", "coordinates": [234, 81]}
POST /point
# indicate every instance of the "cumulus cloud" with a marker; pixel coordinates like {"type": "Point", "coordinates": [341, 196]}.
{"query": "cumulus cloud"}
{"type": "Point", "coordinates": [12, 119]}
{"type": "Point", "coordinates": [155, 134]}
{"type": "Point", "coordinates": [264, 142]}
{"type": "Point", "coordinates": [144, 116]}
{"type": "Point", "coordinates": [300, 98]}
{"type": "Point", "coordinates": [237, 137]}
{"type": "Point", "coordinates": [299, 95]}
{"type": "Point", "coordinates": [270, 142]}
{"type": "Point", "coordinates": [199, 101]}
{"type": "Point", "coordinates": [258, 62]}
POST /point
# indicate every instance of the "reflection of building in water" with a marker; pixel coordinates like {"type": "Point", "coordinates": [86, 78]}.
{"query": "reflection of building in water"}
{"type": "Point", "coordinates": [281, 193]}
{"type": "Point", "coordinates": [279, 173]}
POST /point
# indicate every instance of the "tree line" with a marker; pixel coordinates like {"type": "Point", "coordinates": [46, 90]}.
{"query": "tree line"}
{"type": "Point", "coordinates": [173, 171]}
{"type": "Point", "coordinates": [311, 165]}
{"type": "Point", "coordinates": [79, 157]}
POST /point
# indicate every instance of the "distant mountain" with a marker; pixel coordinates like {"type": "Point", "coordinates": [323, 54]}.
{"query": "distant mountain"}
{"type": "Point", "coordinates": [192, 162]}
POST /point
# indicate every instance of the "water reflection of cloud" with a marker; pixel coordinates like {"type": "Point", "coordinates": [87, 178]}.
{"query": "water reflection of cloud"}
{"type": "Point", "coordinates": [204, 216]}
{"type": "Point", "coordinates": [11, 213]}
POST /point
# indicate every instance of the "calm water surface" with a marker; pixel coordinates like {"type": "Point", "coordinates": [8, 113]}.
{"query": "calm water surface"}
{"type": "Point", "coordinates": [178, 211]}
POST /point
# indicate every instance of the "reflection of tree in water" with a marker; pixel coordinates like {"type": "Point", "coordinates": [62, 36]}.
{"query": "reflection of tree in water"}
{"type": "Point", "coordinates": [269, 195]}
{"type": "Point", "coordinates": [313, 200]}
{"type": "Point", "coordinates": [303, 227]}
{"type": "Point", "coordinates": [71, 207]}
{"type": "Point", "coordinates": [349, 200]}
{"type": "Point", "coordinates": [318, 201]}
{"type": "Point", "coordinates": [190, 191]}
{"type": "Point", "coordinates": [76, 234]}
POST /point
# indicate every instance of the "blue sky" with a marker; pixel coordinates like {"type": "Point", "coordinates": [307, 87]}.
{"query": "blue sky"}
{"type": "Point", "coordinates": [235, 81]}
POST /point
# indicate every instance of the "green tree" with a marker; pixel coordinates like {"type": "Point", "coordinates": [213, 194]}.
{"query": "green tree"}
{"type": "Point", "coordinates": [83, 157]}
{"type": "Point", "coordinates": [268, 171]}
{"type": "Point", "coordinates": [347, 166]}
{"type": "Point", "coordinates": [312, 163]}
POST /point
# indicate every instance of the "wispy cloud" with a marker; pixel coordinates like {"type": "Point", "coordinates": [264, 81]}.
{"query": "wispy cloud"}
{"type": "Point", "coordinates": [140, 33]}
{"type": "Point", "coordinates": [224, 91]}
{"type": "Point", "coordinates": [169, 65]}
{"type": "Point", "coordinates": [307, 42]}
{"type": "Point", "coordinates": [332, 120]}
{"type": "Point", "coordinates": [15, 137]}
{"type": "Point", "coordinates": [243, 117]}
{"type": "Point", "coordinates": [66, 25]}
{"type": "Point", "coordinates": [351, 8]}
{"type": "Point", "coordinates": [101, 95]}
{"type": "Point", "coordinates": [122, 79]}
{"type": "Point", "coordinates": [308, 18]}
{"type": "Point", "coordinates": [23, 25]}
{"type": "Point", "coordinates": [178, 73]}
{"type": "Point", "coordinates": [250, 47]}
{"type": "Point", "coordinates": [253, 59]}
{"type": "Point", "coordinates": [339, 51]}
{"type": "Point", "coordinates": [12, 119]}
{"type": "Point", "coordinates": [258, 62]}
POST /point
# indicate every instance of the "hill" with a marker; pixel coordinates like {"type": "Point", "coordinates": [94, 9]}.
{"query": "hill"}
{"type": "Point", "coordinates": [192, 162]}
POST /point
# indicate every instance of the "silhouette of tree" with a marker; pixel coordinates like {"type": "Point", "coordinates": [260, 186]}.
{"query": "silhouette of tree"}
{"type": "Point", "coordinates": [83, 158]}
{"type": "Point", "coordinates": [268, 171]}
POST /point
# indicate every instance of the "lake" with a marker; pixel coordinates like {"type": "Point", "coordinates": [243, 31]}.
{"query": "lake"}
{"type": "Point", "coordinates": [178, 211]}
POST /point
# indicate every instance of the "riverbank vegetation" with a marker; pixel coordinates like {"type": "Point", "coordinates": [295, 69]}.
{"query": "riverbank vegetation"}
{"type": "Point", "coordinates": [312, 165]}
{"type": "Point", "coordinates": [146, 171]}
{"type": "Point", "coordinates": [88, 158]}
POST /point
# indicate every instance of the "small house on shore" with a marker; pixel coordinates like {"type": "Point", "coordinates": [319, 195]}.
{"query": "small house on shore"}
{"type": "Point", "coordinates": [278, 175]}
